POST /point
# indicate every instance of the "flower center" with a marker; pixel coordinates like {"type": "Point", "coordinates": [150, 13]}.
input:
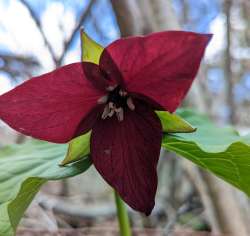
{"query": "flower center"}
{"type": "Point", "coordinates": [117, 101]}
{"type": "Point", "coordinates": [118, 97]}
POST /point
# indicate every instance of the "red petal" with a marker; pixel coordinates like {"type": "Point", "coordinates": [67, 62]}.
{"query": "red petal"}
{"type": "Point", "coordinates": [108, 66]}
{"type": "Point", "coordinates": [95, 76]}
{"type": "Point", "coordinates": [126, 155]}
{"type": "Point", "coordinates": [89, 120]}
{"type": "Point", "coordinates": [51, 106]}
{"type": "Point", "coordinates": [161, 66]}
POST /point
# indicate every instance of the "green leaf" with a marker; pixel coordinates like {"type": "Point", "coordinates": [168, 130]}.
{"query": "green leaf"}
{"type": "Point", "coordinates": [209, 136]}
{"type": "Point", "coordinates": [172, 123]}
{"type": "Point", "coordinates": [78, 149]}
{"type": "Point", "coordinates": [23, 170]}
{"type": "Point", "coordinates": [91, 50]}
{"type": "Point", "coordinates": [220, 150]}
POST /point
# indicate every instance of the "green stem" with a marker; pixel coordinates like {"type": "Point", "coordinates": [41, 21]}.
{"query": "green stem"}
{"type": "Point", "coordinates": [125, 229]}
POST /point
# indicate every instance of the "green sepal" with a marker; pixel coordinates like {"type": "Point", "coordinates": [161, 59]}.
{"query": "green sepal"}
{"type": "Point", "coordinates": [78, 149]}
{"type": "Point", "coordinates": [91, 50]}
{"type": "Point", "coordinates": [172, 123]}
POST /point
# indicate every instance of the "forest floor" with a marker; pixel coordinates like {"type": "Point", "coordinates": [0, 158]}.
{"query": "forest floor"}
{"type": "Point", "coordinates": [108, 232]}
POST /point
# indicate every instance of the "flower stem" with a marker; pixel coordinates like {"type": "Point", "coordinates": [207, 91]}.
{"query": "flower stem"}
{"type": "Point", "coordinates": [125, 229]}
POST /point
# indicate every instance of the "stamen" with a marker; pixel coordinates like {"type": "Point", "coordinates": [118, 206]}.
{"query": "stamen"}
{"type": "Point", "coordinates": [118, 109]}
{"type": "Point", "coordinates": [111, 88]}
{"type": "Point", "coordinates": [111, 105]}
{"type": "Point", "coordinates": [120, 114]}
{"type": "Point", "coordinates": [102, 100]}
{"type": "Point", "coordinates": [130, 104]}
{"type": "Point", "coordinates": [123, 93]}
{"type": "Point", "coordinates": [116, 101]}
{"type": "Point", "coordinates": [105, 113]}
{"type": "Point", "coordinates": [111, 113]}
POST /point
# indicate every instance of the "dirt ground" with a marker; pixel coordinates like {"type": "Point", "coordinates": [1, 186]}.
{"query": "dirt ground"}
{"type": "Point", "coordinates": [107, 232]}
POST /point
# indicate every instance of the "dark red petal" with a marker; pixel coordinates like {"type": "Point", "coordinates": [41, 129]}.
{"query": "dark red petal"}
{"type": "Point", "coordinates": [89, 120]}
{"type": "Point", "coordinates": [50, 107]}
{"type": "Point", "coordinates": [95, 76]}
{"type": "Point", "coordinates": [126, 155]}
{"type": "Point", "coordinates": [111, 70]}
{"type": "Point", "coordinates": [161, 66]}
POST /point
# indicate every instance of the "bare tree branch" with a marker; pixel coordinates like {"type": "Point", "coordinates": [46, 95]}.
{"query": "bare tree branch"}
{"type": "Point", "coordinates": [186, 207]}
{"type": "Point", "coordinates": [77, 212]}
{"type": "Point", "coordinates": [97, 27]}
{"type": "Point", "coordinates": [39, 27]}
{"type": "Point", "coordinates": [29, 61]}
{"type": "Point", "coordinates": [10, 62]}
{"type": "Point", "coordinates": [68, 42]}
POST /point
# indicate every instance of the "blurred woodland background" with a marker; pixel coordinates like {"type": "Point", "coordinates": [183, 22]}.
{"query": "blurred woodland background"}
{"type": "Point", "coordinates": [37, 36]}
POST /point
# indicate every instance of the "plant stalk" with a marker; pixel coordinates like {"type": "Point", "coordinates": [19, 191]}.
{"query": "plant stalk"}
{"type": "Point", "coordinates": [125, 228]}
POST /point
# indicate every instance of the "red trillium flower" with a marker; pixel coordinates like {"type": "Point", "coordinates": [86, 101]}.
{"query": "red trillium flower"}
{"type": "Point", "coordinates": [116, 100]}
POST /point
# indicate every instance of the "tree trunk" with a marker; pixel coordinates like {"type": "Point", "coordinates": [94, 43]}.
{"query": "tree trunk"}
{"type": "Point", "coordinates": [128, 17]}
{"type": "Point", "coordinates": [228, 66]}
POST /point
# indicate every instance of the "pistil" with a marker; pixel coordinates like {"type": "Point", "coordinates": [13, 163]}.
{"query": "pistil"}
{"type": "Point", "coordinates": [117, 101]}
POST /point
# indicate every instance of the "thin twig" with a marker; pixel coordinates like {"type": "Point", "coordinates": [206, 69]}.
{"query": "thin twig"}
{"type": "Point", "coordinates": [171, 223]}
{"type": "Point", "coordinates": [97, 27]}
{"type": "Point", "coordinates": [9, 61]}
{"type": "Point", "coordinates": [187, 206]}
{"type": "Point", "coordinates": [81, 211]}
{"type": "Point", "coordinates": [62, 207]}
{"type": "Point", "coordinates": [39, 27]}
{"type": "Point", "coordinates": [29, 61]}
{"type": "Point", "coordinates": [68, 42]}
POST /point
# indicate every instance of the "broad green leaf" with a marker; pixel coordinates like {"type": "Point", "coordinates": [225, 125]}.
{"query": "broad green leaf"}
{"type": "Point", "coordinates": [78, 149]}
{"type": "Point", "coordinates": [172, 123]}
{"type": "Point", "coordinates": [23, 170]}
{"type": "Point", "coordinates": [91, 50]}
{"type": "Point", "coordinates": [220, 150]}
{"type": "Point", "coordinates": [209, 137]}
{"type": "Point", "coordinates": [246, 139]}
